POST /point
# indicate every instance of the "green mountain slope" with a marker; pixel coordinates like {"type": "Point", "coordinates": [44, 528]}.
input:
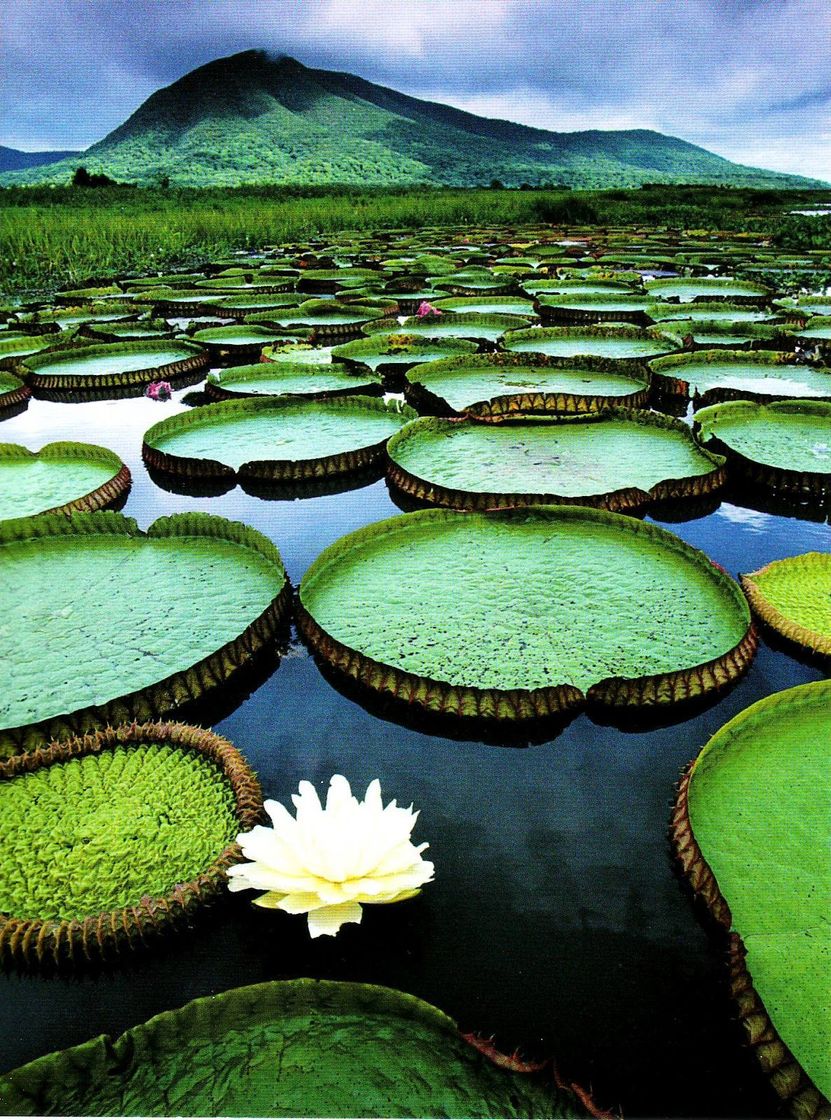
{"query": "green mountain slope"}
{"type": "Point", "coordinates": [254, 118]}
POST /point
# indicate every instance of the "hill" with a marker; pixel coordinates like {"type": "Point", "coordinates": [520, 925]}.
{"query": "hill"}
{"type": "Point", "coordinates": [12, 159]}
{"type": "Point", "coordinates": [255, 118]}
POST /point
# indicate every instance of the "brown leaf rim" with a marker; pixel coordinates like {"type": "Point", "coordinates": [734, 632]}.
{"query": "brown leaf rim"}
{"type": "Point", "coordinates": [55, 943]}
{"type": "Point", "coordinates": [789, 1080]}
{"type": "Point", "coordinates": [165, 696]}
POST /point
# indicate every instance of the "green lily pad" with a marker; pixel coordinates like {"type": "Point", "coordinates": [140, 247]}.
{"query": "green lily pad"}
{"type": "Point", "coordinates": [614, 460]}
{"type": "Point", "coordinates": [60, 478]}
{"type": "Point", "coordinates": [274, 438]}
{"type": "Point", "coordinates": [327, 316]}
{"type": "Point", "coordinates": [793, 596]}
{"type": "Point", "coordinates": [605, 307]}
{"type": "Point", "coordinates": [477, 328]}
{"type": "Point", "coordinates": [397, 352]}
{"type": "Point", "coordinates": [614, 341]}
{"type": "Point", "coordinates": [127, 624]}
{"type": "Point", "coordinates": [115, 365]}
{"type": "Point", "coordinates": [263, 304]}
{"type": "Point", "coordinates": [486, 305]}
{"type": "Point", "coordinates": [291, 379]}
{"type": "Point", "coordinates": [134, 829]}
{"type": "Point", "coordinates": [717, 375]}
{"type": "Point", "coordinates": [807, 305]}
{"type": "Point", "coordinates": [786, 444]}
{"type": "Point", "coordinates": [13, 393]}
{"type": "Point", "coordinates": [578, 287]}
{"type": "Point", "coordinates": [239, 339]}
{"type": "Point", "coordinates": [687, 289]}
{"type": "Point", "coordinates": [494, 385]}
{"type": "Point", "coordinates": [63, 317]}
{"type": "Point", "coordinates": [130, 331]}
{"type": "Point", "coordinates": [711, 312]}
{"type": "Point", "coordinates": [14, 344]}
{"type": "Point", "coordinates": [724, 334]}
{"type": "Point", "coordinates": [303, 353]}
{"type": "Point", "coordinates": [505, 615]}
{"type": "Point", "coordinates": [751, 828]}
{"type": "Point", "coordinates": [269, 1050]}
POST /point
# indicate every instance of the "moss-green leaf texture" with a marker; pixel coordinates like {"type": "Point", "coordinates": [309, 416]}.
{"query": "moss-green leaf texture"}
{"type": "Point", "coordinates": [760, 812]}
{"type": "Point", "coordinates": [59, 475]}
{"type": "Point", "coordinates": [92, 609]}
{"type": "Point", "coordinates": [522, 599]}
{"type": "Point", "coordinates": [290, 1048]}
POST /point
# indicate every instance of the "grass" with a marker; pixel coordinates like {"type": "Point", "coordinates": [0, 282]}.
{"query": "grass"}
{"type": "Point", "coordinates": [65, 236]}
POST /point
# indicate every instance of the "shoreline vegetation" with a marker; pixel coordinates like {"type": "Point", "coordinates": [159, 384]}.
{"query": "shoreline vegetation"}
{"type": "Point", "coordinates": [53, 237]}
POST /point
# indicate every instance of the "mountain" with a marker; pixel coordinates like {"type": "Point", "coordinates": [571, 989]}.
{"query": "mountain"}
{"type": "Point", "coordinates": [257, 118]}
{"type": "Point", "coordinates": [11, 159]}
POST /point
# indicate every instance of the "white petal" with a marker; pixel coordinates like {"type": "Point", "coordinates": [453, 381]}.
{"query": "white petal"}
{"type": "Point", "coordinates": [329, 919]}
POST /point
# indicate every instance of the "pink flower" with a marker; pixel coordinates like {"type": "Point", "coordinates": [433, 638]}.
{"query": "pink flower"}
{"type": "Point", "coordinates": [425, 308]}
{"type": "Point", "coordinates": [158, 391]}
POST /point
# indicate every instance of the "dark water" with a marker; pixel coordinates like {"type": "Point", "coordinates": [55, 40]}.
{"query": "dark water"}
{"type": "Point", "coordinates": [555, 921]}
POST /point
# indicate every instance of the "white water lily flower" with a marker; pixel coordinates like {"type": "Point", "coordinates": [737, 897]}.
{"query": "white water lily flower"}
{"type": "Point", "coordinates": [325, 862]}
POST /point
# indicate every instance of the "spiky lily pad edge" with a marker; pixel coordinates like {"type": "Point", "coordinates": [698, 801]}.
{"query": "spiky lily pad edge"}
{"type": "Point", "coordinates": [54, 943]}
{"type": "Point", "coordinates": [267, 470]}
{"type": "Point", "coordinates": [808, 484]}
{"type": "Point", "coordinates": [12, 398]}
{"type": "Point", "coordinates": [99, 498]}
{"type": "Point", "coordinates": [518, 705]}
{"type": "Point", "coordinates": [811, 641]}
{"type": "Point", "coordinates": [24, 1089]}
{"type": "Point", "coordinates": [164, 697]}
{"type": "Point", "coordinates": [786, 1075]}
{"type": "Point", "coordinates": [195, 362]}
{"type": "Point", "coordinates": [616, 501]}
{"type": "Point", "coordinates": [667, 384]}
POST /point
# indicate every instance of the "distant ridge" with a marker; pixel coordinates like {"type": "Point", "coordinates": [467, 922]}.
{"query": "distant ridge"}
{"type": "Point", "coordinates": [256, 118]}
{"type": "Point", "coordinates": [11, 159]}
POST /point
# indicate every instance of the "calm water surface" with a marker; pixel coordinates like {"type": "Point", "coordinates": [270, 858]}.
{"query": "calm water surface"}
{"type": "Point", "coordinates": [555, 921]}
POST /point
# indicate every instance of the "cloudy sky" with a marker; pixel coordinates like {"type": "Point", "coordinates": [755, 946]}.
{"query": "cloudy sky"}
{"type": "Point", "coordinates": [749, 79]}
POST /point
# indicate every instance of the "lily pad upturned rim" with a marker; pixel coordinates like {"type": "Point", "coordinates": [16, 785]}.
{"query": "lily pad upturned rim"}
{"type": "Point", "coordinates": [517, 705]}
{"type": "Point", "coordinates": [365, 385]}
{"type": "Point", "coordinates": [165, 696]}
{"type": "Point", "coordinates": [610, 330]}
{"type": "Point", "coordinates": [616, 501]}
{"type": "Point", "coordinates": [455, 347]}
{"type": "Point", "coordinates": [808, 483]}
{"type": "Point", "coordinates": [13, 391]}
{"type": "Point", "coordinates": [26, 1090]}
{"type": "Point", "coordinates": [666, 371]}
{"type": "Point", "coordinates": [61, 942]}
{"type": "Point", "coordinates": [99, 498]}
{"type": "Point", "coordinates": [812, 641]}
{"type": "Point", "coordinates": [271, 470]}
{"type": "Point", "coordinates": [506, 405]}
{"type": "Point", "coordinates": [193, 358]}
{"type": "Point", "coordinates": [789, 1080]}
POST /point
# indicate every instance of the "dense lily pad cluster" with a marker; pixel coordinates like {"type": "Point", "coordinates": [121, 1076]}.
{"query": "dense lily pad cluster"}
{"type": "Point", "coordinates": [515, 378]}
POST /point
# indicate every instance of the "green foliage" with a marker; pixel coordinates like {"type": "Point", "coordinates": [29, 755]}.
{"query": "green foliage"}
{"type": "Point", "coordinates": [52, 236]}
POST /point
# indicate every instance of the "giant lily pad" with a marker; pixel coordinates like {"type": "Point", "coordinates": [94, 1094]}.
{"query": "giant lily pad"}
{"type": "Point", "coordinates": [711, 312]}
{"type": "Point", "coordinates": [793, 596]}
{"type": "Point", "coordinates": [238, 342]}
{"type": "Point", "coordinates": [292, 379]}
{"type": "Point", "coordinates": [290, 1048]}
{"type": "Point", "coordinates": [134, 829]}
{"type": "Point", "coordinates": [496, 385]}
{"type": "Point", "coordinates": [274, 439]}
{"type": "Point", "coordinates": [751, 830]}
{"type": "Point", "coordinates": [614, 341]}
{"type": "Point", "coordinates": [786, 445]}
{"type": "Point", "coordinates": [477, 328]}
{"type": "Point", "coordinates": [115, 365]}
{"type": "Point", "coordinates": [101, 622]}
{"type": "Point", "coordinates": [604, 307]}
{"type": "Point", "coordinates": [615, 460]}
{"type": "Point", "coordinates": [395, 353]}
{"type": "Point", "coordinates": [713, 375]}
{"type": "Point", "coordinates": [687, 289]}
{"type": "Point", "coordinates": [505, 615]}
{"type": "Point", "coordinates": [13, 393]}
{"type": "Point", "coordinates": [60, 478]}
{"type": "Point", "coordinates": [16, 345]}
{"type": "Point", "coordinates": [128, 331]}
{"type": "Point", "coordinates": [486, 305]}
{"type": "Point", "coordinates": [327, 318]}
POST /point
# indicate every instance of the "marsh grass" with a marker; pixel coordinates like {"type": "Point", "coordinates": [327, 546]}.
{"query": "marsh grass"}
{"type": "Point", "coordinates": [64, 236]}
